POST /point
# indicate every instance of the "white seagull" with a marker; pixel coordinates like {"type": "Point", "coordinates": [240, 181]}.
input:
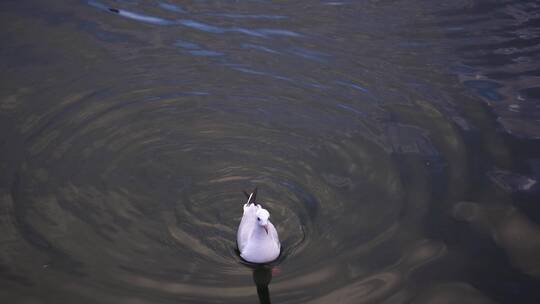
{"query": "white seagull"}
{"type": "Point", "coordinates": [257, 238]}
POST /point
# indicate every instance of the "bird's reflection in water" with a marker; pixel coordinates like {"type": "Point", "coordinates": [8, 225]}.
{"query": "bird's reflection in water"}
{"type": "Point", "coordinates": [262, 275]}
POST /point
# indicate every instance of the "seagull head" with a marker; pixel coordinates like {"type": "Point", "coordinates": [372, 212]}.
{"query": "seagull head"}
{"type": "Point", "coordinates": [262, 218]}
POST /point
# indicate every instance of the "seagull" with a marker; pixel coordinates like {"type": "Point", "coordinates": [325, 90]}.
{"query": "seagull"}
{"type": "Point", "coordinates": [257, 237]}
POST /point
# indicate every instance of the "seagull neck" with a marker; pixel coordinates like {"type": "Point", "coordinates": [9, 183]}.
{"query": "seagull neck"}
{"type": "Point", "coordinates": [259, 233]}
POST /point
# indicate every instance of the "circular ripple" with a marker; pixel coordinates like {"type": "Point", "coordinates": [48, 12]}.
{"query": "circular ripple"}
{"type": "Point", "coordinates": [135, 188]}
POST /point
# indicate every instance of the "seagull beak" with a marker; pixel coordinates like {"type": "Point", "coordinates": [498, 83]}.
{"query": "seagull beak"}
{"type": "Point", "coordinates": [266, 228]}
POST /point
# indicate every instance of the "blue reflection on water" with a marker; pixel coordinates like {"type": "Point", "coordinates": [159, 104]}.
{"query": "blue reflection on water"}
{"type": "Point", "coordinates": [205, 53]}
{"type": "Point", "coordinates": [197, 24]}
{"type": "Point", "coordinates": [201, 26]}
{"type": "Point", "coordinates": [195, 49]}
{"type": "Point", "coordinates": [246, 16]}
{"type": "Point", "coordinates": [309, 54]}
{"type": "Point", "coordinates": [354, 86]}
{"type": "Point", "coordinates": [98, 5]}
{"type": "Point", "coordinates": [220, 30]}
{"type": "Point", "coordinates": [279, 32]}
{"type": "Point", "coordinates": [187, 45]}
{"type": "Point", "coordinates": [144, 18]}
{"type": "Point", "coordinates": [344, 106]}
{"type": "Point", "coordinates": [485, 88]}
{"type": "Point", "coordinates": [171, 7]}
{"type": "Point", "coordinates": [249, 70]}
{"type": "Point", "coordinates": [259, 47]}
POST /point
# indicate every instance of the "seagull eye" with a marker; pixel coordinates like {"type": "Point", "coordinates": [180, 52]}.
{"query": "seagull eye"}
{"type": "Point", "coordinates": [258, 219]}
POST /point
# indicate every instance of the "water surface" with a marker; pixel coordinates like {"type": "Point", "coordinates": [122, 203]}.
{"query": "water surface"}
{"type": "Point", "coordinates": [395, 144]}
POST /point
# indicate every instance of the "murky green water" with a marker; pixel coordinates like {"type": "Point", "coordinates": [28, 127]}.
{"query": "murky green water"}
{"type": "Point", "coordinates": [395, 144]}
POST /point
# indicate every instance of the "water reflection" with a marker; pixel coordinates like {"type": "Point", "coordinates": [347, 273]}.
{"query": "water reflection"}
{"type": "Point", "coordinates": [500, 57]}
{"type": "Point", "coordinates": [262, 276]}
{"type": "Point", "coordinates": [171, 7]}
{"type": "Point", "coordinates": [201, 26]}
{"type": "Point", "coordinates": [516, 234]}
{"type": "Point", "coordinates": [367, 123]}
{"type": "Point", "coordinates": [452, 292]}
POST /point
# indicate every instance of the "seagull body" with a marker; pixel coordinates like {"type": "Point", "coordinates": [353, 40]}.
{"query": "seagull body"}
{"type": "Point", "coordinates": [257, 237]}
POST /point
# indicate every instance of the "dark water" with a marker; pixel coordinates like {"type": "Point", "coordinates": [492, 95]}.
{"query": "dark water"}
{"type": "Point", "coordinates": [395, 144]}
